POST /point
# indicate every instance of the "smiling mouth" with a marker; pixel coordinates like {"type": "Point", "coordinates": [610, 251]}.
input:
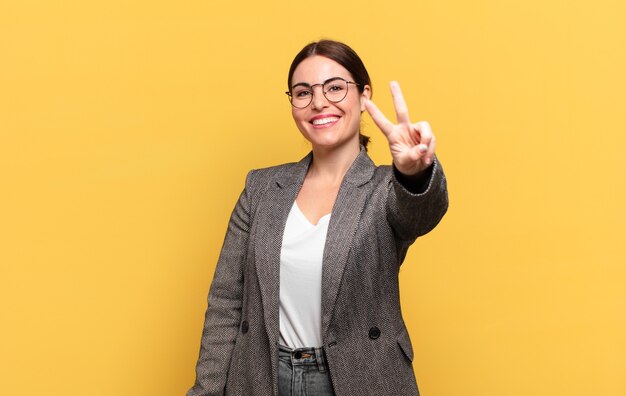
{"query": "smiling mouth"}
{"type": "Point", "coordinates": [324, 121]}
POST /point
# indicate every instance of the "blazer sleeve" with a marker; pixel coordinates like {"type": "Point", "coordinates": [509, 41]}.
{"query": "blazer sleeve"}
{"type": "Point", "coordinates": [414, 210]}
{"type": "Point", "coordinates": [223, 314]}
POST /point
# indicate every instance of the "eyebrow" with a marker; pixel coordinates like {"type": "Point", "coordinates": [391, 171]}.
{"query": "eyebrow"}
{"type": "Point", "coordinates": [304, 84]}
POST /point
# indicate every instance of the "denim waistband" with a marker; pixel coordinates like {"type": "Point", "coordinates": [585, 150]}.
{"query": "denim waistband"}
{"type": "Point", "coordinates": [304, 357]}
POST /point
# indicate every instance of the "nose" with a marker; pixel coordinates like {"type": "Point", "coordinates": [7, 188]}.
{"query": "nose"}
{"type": "Point", "coordinates": [319, 99]}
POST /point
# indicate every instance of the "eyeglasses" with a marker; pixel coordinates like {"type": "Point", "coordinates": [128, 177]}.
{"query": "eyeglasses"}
{"type": "Point", "coordinates": [334, 89]}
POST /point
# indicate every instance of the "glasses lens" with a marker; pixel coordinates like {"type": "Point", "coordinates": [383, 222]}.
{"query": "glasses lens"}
{"type": "Point", "coordinates": [336, 90]}
{"type": "Point", "coordinates": [301, 96]}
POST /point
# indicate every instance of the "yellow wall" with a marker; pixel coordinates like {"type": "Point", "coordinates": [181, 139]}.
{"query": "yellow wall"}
{"type": "Point", "coordinates": [127, 127]}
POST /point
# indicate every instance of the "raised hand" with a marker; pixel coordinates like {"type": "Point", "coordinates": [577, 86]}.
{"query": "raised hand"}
{"type": "Point", "coordinates": [412, 145]}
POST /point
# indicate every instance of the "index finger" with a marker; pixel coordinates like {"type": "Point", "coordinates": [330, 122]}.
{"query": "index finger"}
{"type": "Point", "coordinates": [379, 118]}
{"type": "Point", "coordinates": [402, 112]}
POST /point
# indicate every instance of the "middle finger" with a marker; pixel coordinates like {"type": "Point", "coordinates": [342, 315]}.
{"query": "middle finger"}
{"type": "Point", "coordinates": [402, 112]}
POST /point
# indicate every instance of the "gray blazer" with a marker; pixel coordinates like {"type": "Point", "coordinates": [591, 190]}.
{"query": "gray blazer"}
{"type": "Point", "coordinates": [374, 221]}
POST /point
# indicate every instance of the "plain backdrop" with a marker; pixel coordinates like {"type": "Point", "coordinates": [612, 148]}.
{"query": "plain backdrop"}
{"type": "Point", "coordinates": [127, 128]}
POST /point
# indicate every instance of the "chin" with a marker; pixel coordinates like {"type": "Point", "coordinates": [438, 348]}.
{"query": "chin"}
{"type": "Point", "coordinates": [331, 142]}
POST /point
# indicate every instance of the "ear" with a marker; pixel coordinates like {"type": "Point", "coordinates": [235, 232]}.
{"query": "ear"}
{"type": "Point", "coordinates": [365, 96]}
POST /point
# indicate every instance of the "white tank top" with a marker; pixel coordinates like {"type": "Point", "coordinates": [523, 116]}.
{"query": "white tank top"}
{"type": "Point", "coordinates": [301, 255]}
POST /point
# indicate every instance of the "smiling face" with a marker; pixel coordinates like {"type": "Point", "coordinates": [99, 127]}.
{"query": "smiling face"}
{"type": "Point", "coordinates": [323, 123]}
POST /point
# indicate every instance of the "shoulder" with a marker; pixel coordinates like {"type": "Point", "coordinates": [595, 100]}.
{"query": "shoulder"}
{"type": "Point", "coordinates": [260, 179]}
{"type": "Point", "coordinates": [261, 176]}
{"type": "Point", "coordinates": [271, 172]}
{"type": "Point", "coordinates": [382, 178]}
{"type": "Point", "coordinates": [383, 173]}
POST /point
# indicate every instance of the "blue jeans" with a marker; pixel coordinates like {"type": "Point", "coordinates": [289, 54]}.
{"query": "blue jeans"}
{"type": "Point", "coordinates": [303, 372]}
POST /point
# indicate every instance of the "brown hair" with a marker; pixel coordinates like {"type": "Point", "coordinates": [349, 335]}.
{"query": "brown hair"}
{"type": "Point", "coordinates": [342, 54]}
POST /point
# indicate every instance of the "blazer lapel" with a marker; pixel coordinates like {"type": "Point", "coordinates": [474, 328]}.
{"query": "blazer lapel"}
{"type": "Point", "coordinates": [272, 217]}
{"type": "Point", "coordinates": [343, 223]}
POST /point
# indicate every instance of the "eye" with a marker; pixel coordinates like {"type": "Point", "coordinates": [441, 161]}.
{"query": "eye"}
{"type": "Point", "coordinates": [335, 87]}
{"type": "Point", "coordinates": [302, 93]}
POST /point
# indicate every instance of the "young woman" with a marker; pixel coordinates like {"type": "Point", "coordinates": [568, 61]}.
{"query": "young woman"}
{"type": "Point", "coordinates": [305, 297]}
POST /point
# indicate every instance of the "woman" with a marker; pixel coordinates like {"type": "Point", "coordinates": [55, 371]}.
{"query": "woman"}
{"type": "Point", "coordinates": [305, 297]}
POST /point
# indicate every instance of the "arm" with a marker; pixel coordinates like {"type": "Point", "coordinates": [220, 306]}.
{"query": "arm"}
{"type": "Point", "coordinates": [418, 196]}
{"type": "Point", "coordinates": [417, 203]}
{"type": "Point", "coordinates": [223, 314]}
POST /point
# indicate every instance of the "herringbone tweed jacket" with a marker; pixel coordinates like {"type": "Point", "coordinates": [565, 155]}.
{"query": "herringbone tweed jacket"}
{"type": "Point", "coordinates": [374, 221]}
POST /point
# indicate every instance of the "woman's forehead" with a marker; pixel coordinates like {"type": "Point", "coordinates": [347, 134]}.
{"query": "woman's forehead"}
{"type": "Point", "coordinates": [317, 69]}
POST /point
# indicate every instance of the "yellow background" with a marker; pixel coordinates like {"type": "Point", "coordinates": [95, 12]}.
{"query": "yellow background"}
{"type": "Point", "coordinates": [127, 128]}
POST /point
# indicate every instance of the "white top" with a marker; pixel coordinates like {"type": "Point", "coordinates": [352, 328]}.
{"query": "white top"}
{"type": "Point", "coordinates": [301, 257]}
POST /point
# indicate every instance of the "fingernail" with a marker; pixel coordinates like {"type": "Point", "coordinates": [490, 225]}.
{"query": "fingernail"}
{"type": "Point", "coordinates": [422, 148]}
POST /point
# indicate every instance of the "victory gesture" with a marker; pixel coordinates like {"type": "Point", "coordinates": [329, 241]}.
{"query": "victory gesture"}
{"type": "Point", "coordinates": [412, 145]}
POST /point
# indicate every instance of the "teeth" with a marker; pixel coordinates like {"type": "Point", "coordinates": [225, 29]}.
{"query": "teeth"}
{"type": "Point", "coordinates": [322, 121]}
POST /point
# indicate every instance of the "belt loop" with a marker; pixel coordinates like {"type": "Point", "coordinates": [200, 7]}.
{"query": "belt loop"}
{"type": "Point", "coordinates": [319, 357]}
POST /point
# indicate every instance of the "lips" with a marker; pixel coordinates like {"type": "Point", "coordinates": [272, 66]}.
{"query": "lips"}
{"type": "Point", "coordinates": [324, 120]}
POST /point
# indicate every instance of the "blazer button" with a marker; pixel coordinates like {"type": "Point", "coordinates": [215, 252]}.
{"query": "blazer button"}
{"type": "Point", "coordinates": [244, 326]}
{"type": "Point", "coordinates": [374, 333]}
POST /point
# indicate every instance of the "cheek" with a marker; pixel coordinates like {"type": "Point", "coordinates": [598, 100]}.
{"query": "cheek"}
{"type": "Point", "coordinates": [297, 115]}
{"type": "Point", "coordinates": [299, 120]}
{"type": "Point", "coordinates": [355, 113]}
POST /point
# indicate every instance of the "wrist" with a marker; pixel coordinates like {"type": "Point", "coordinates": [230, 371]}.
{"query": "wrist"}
{"type": "Point", "coordinates": [410, 172]}
{"type": "Point", "coordinates": [416, 183]}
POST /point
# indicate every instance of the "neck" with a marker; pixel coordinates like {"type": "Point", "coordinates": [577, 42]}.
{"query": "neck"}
{"type": "Point", "coordinates": [331, 165]}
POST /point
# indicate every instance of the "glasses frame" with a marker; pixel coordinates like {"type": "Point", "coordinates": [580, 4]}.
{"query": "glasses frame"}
{"type": "Point", "coordinates": [290, 95]}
